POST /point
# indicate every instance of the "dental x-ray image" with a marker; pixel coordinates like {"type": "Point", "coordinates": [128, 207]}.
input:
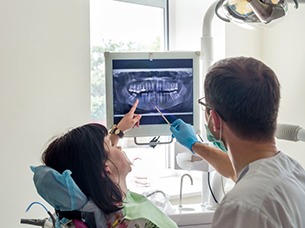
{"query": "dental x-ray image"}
{"type": "Point", "coordinates": [165, 83]}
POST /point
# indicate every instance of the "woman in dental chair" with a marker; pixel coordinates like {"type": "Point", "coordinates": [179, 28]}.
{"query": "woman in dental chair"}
{"type": "Point", "coordinates": [99, 168]}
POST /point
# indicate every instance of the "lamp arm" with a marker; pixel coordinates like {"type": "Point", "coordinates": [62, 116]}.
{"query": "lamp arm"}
{"type": "Point", "coordinates": [218, 5]}
{"type": "Point", "coordinates": [206, 51]}
{"type": "Point", "coordinates": [206, 55]}
{"type": "Point", "coordinates": [296, 2]}
{"type": "Point", "coordinates": [207, 19]}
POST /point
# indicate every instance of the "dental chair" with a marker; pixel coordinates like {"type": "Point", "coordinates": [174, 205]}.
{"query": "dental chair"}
{"type": "Point", "coordinates": [72, 207]}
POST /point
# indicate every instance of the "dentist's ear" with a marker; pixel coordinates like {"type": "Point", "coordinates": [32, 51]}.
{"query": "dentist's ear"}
{"type": "Point", "coordinates": [216, 120]}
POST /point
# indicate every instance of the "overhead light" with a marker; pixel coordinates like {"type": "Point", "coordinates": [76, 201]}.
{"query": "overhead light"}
{"type": "Point", "coordinates": [252, 11]}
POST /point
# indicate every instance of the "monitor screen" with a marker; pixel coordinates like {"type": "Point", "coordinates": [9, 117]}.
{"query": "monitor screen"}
{"type": "Point", "coordinates": [166, 80]}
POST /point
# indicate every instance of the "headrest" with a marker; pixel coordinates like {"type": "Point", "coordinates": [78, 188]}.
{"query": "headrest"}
{"type": "Point", "coordinates": [59, 190]}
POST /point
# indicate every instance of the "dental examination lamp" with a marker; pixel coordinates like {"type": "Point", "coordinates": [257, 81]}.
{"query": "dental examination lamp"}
{"type": "Point", "coordinates": [252, 11]}
{"type": "Point", "coordinates": [248, 14]}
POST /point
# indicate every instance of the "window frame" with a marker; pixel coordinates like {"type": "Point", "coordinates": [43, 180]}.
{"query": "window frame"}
{"type": "Point", "coordinates": [160, 4]}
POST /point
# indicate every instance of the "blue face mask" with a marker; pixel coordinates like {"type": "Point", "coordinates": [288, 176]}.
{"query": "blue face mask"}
{"type": "Point", "coordinates": [216, 142]}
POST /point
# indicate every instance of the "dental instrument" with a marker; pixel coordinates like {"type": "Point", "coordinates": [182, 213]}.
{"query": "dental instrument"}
{"type": "Point", "coordinates": [166, 120]}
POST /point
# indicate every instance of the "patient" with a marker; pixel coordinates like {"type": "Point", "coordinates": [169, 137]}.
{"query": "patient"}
{"type": "Point", "coordinates": [99, 168]}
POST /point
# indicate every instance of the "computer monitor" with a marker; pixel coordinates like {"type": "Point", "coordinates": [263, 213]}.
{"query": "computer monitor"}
{"type": "Point", "coordinates": [168, 80]}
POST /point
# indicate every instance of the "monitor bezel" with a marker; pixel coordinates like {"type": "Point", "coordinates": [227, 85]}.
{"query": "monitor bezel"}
{"type": "Point", "coordinates": [156, 129]}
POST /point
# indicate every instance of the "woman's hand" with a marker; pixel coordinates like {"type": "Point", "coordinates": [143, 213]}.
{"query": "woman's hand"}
{"type": "Point", "coordinates": [130, 120]}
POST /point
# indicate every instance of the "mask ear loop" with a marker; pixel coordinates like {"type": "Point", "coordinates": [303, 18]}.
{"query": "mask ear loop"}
{"type": "Point", "coordinates": [220, 134]}
{"type": "Point", "coordinates": [209, 118]}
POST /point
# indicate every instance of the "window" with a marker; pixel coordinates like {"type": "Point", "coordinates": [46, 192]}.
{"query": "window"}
{"type": "Point", "coordinates": [127, 25]}
{"type": "Point", "coordinates": [122, 26]}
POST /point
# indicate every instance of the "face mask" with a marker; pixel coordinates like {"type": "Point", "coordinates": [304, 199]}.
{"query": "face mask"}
{"type": "Point", "coordinates": [216, 142]}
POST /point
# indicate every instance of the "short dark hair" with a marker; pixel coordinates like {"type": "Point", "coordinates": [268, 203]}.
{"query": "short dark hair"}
{"type": "Point", "coordinates": [246, 94]}
{"type": "Point", "coordinates": [82, 151]}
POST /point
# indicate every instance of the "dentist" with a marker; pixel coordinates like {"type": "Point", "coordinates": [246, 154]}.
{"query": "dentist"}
{"type": "Point", "coordinates": [241, 102]}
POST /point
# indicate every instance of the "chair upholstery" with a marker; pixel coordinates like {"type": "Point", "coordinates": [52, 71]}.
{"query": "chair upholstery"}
{"type": "Point", "coordinates": [63, 194]}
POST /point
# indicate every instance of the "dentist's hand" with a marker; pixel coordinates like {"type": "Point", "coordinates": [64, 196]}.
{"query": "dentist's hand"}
{"type": "Point", "coordinates": [184, 133]}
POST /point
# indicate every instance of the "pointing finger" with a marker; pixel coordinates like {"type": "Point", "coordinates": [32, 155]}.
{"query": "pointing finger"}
{"type": "Point", "coordinates": [134, 106]}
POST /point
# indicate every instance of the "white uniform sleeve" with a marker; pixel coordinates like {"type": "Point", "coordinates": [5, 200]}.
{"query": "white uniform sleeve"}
{"type": "Point", "coordinates": [240, 215]}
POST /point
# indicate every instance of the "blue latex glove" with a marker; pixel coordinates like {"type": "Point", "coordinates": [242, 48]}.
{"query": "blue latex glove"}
{"type": "Point", "coordinates": [184, 133]}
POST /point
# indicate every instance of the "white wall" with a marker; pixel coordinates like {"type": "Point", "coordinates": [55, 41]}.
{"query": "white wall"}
{"type": "Point", "coordinates": [242, 42]}
{"type": "Point", "coordinates": [44, 89]}
{"type": "Point", "coordinates": [283, 48]}
{"type": "Point", "coordinates": [186, 21]}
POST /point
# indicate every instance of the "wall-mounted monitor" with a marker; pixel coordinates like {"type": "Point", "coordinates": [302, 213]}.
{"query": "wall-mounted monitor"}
{"type": "Point", "coordinates": [168, 80]}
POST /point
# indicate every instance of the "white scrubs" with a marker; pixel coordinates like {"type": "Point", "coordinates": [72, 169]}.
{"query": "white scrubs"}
{"type": "Point", "coordinates": [268, 193]}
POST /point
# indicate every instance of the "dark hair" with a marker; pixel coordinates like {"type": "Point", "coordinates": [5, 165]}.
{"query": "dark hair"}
{"type": "Point", "coordinates": [246, 94]}
{"type": "Point", "coordinates": [82, 151]}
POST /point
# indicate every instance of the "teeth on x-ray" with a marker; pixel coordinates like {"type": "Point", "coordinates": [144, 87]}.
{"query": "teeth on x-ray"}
{"type": "Point", "coordinates": [174, 95]}
{"type": "Point", "coordinates": [152, 85]}
{"type": "Point", "coordinates": [158, 90]}
{"type": "Point", "coordinates": [164, 88]}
